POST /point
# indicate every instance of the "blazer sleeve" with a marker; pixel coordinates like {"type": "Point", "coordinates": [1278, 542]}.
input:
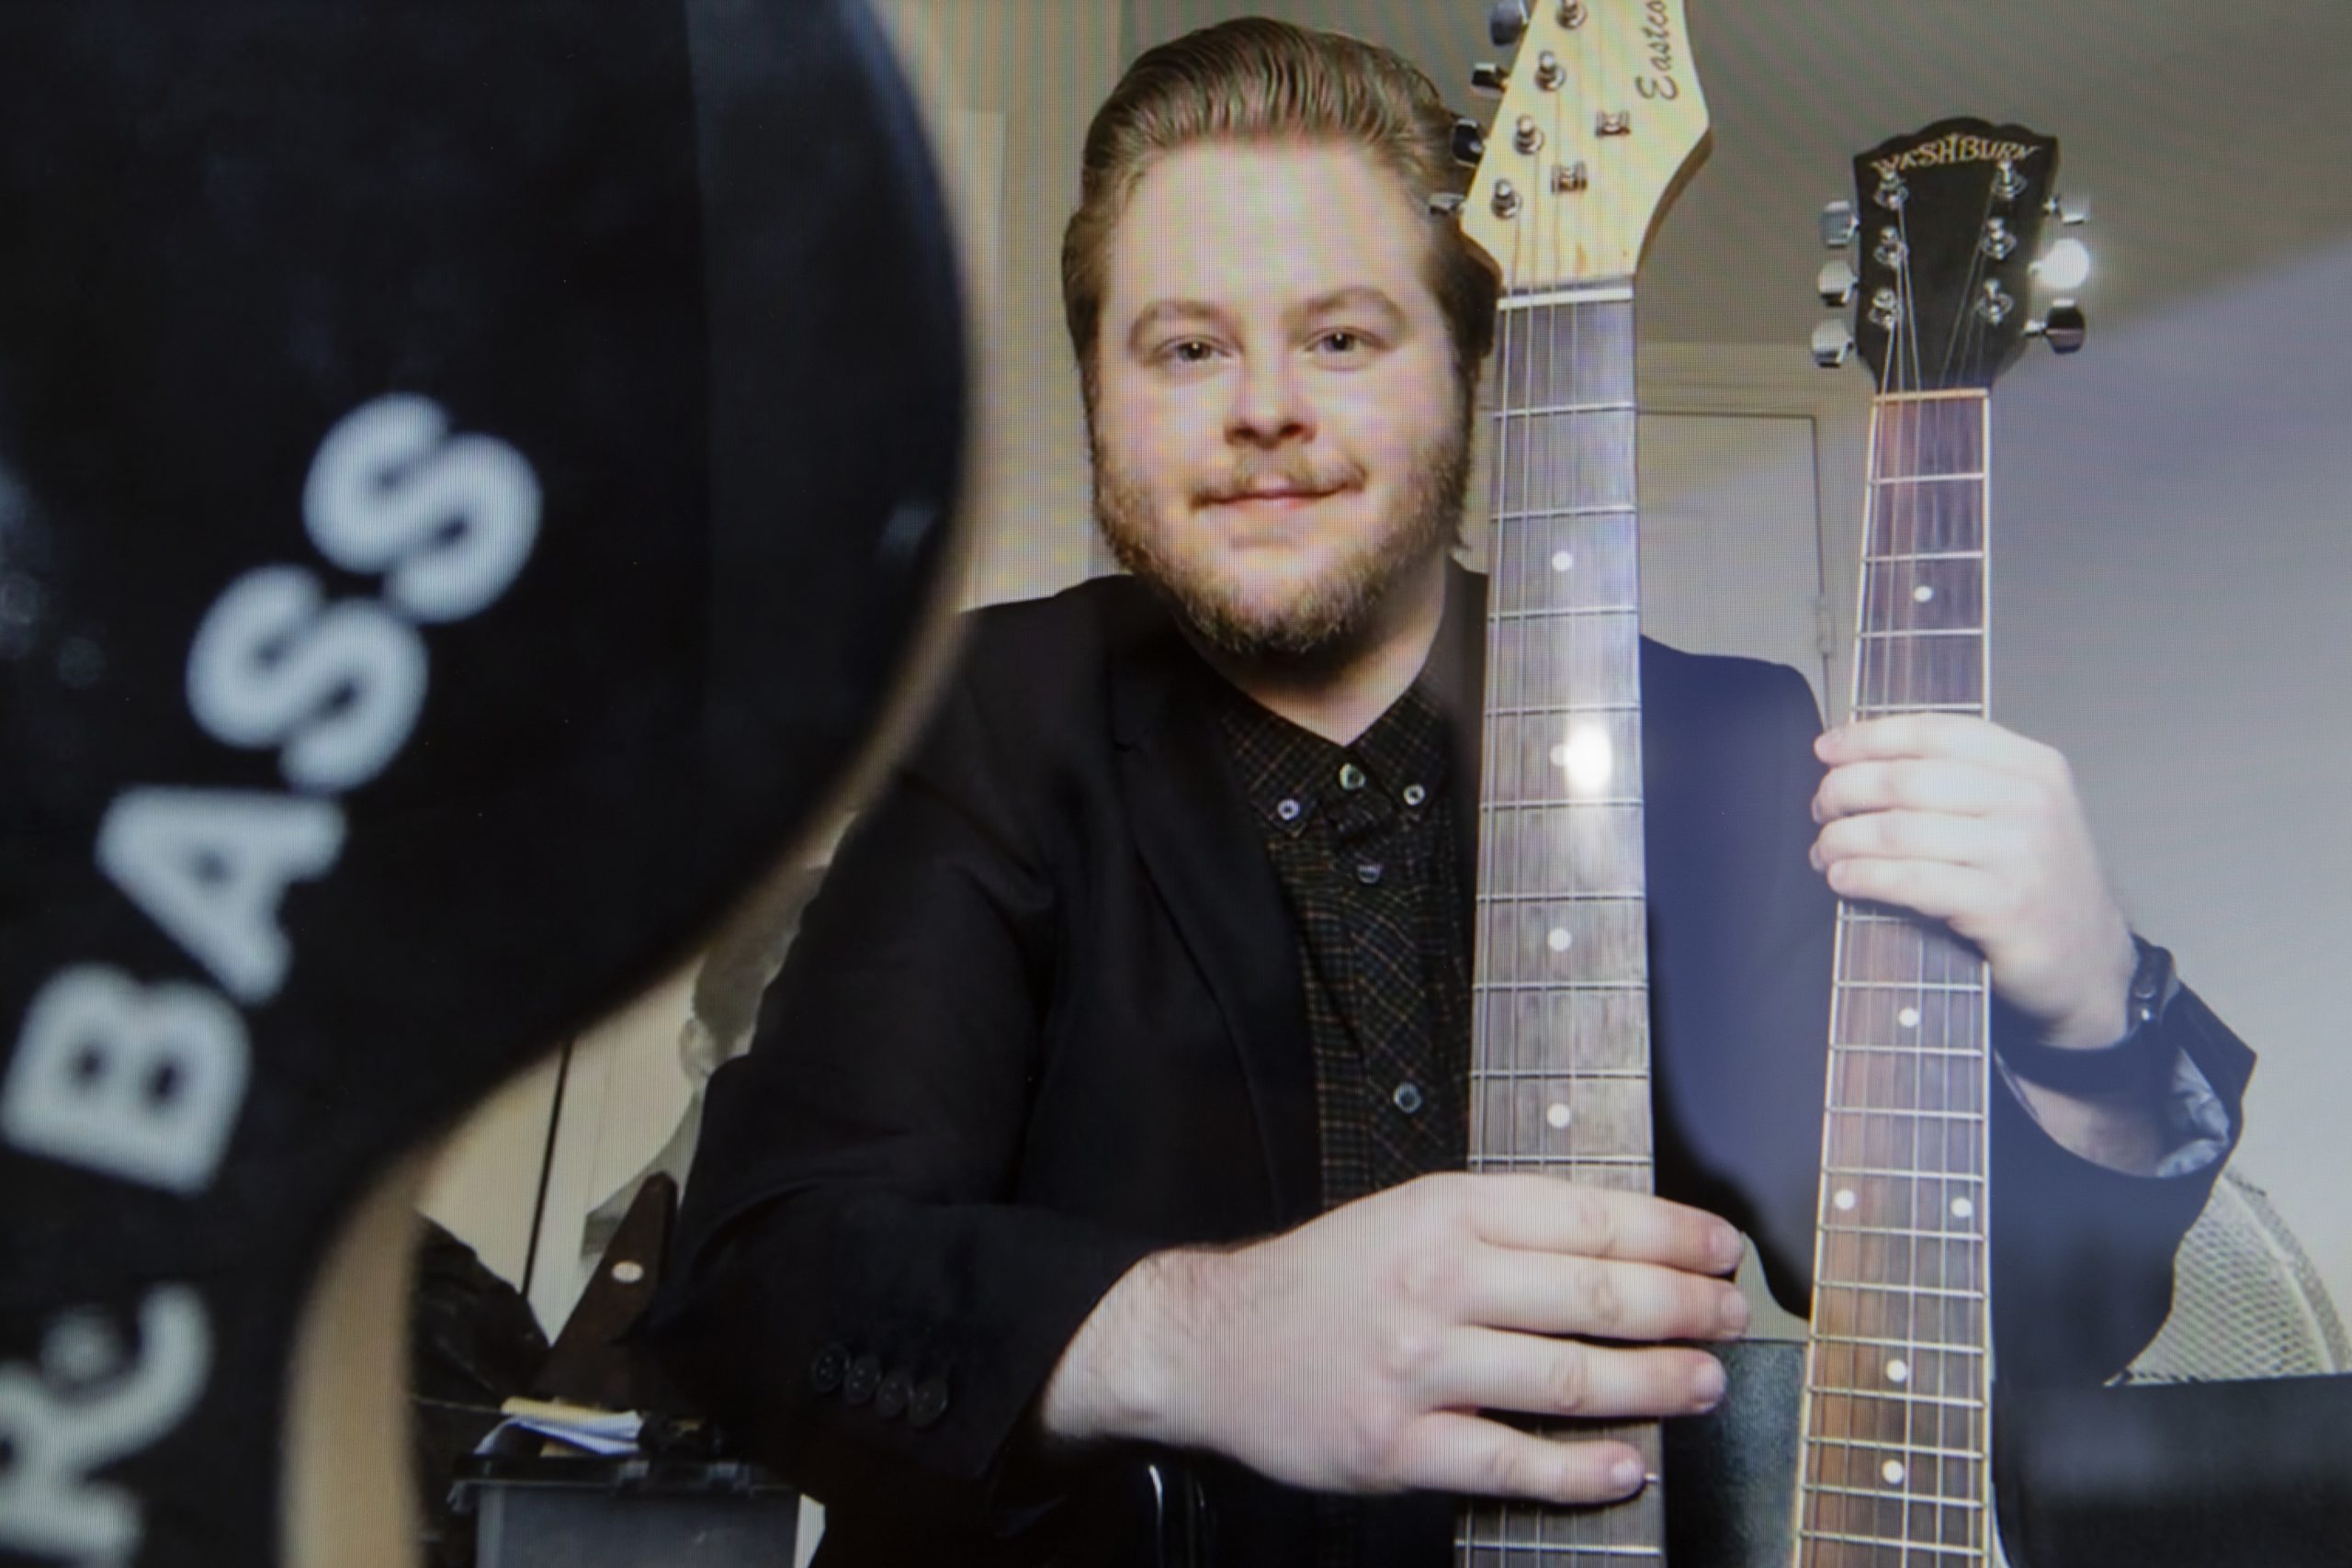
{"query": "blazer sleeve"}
{"type": "Point", "coordinates": [855, 1297]}
{"type": "Point", "coordinates": [2082, 1255]}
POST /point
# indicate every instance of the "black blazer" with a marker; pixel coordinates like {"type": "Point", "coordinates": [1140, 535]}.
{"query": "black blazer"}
{"type": "Point", "coordinates": [1046, 1017]}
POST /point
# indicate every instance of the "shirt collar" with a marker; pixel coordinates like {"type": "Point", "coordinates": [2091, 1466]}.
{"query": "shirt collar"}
{"type": "Point", "coordinates": [1289, 772]}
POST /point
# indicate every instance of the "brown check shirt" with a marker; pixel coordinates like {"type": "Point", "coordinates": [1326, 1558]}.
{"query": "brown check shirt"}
{"type": "Point", "coordinates": [1362, 842]}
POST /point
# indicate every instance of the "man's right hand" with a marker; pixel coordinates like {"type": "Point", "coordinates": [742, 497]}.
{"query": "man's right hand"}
{"type": "Point", "coordinates": [1354, 1353]}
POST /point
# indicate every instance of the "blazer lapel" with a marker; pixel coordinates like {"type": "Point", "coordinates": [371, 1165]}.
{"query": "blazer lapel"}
{"type": "Point", "coordinates": [1455, 676]}
{"type": "Point", "coordinates": [1204, 855]}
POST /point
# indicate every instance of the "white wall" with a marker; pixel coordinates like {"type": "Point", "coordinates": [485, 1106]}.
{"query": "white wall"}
{"type": "Point", "coordinates": [2175, 605]}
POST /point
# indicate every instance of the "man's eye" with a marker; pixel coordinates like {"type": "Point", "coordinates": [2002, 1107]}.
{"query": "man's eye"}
{"type": "Point", "coordinates": [1189, 351]}
{"type": "Point", "coordinates": [1343, 341]}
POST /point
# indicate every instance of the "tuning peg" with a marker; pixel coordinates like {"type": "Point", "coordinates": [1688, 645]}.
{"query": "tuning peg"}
{"type": "Point", "coordinates": [1488, 80]}
{"type": "Point", "coordinates": [1836, 282]}
{"type": "Point", "coordinates": [2070, 210]}
{"type": "Point", "coordinates": [2062, 329]}
{"type": "Point", "coordinates": [1506, 22]}
{"type": "Point", "coordinates": [1833, 343]}
{"type": "Point", "coordinates": [1469, 141]}
{"type": "Point", "coordinates": [1837, 225]}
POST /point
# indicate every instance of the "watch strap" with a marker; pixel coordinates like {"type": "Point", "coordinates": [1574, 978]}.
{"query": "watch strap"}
{"type": "Point", "coordinates": [2140, 1060]}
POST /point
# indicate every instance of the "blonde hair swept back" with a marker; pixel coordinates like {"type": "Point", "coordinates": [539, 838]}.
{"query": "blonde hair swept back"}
{"type": "Point", "coordinates": [1256, 79]}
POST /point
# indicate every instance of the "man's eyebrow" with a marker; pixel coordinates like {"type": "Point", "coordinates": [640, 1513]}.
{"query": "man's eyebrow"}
{"type": "Point", "coordinates": [1351, 297]}
{"type": "Point", "coordinates": [1162, 311]}
{"type": "Point", "coordinates": [1354, 296]}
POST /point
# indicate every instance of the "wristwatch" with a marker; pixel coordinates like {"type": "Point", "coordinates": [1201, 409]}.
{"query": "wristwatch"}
{"type": "Point", "coordinates": [2140, 1060]}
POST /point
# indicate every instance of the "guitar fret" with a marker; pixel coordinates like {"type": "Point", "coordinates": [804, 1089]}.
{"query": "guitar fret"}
{"type": "Point", "coordinates": [1561, 613]}
{"type": "Point", "coordinates": [1567, 708]}
{"type": "Point", "coordinates": [1952, 985]}
{"type": "Point", "coordinates": [1545, 412]}
{"type": "Point", "coordinates": [1895, 1048]}
{"type": "Point", "coordinates": [1889, 1495]}
{"type": "Point", "coordinates": [1568, 1075]}
{"type": "Point", "coordinates": [1836, 1108]}
{"type": "Point", "coordinates": [1560, 986]}
{"type": "Point", "coordinates": [1558, 1551]}
{"type": "Point", "coordinates": [1925, 631]}
{"type": "Point", "coordinates": [1579, 294]}
{"type": "Point", "coordinates": [1844, 1539]}
{"type": "Point", "coordinates": [1922, 1450]}
{"type": "Point", "coordinates": [1906, 1396]}
{"type": "Point", "coordinates": [1928, 478]}
{"type": "Point", "coordinates": [1555, 1162]}
{"type": "Point", "coordinates": [1898, 1344]}
{"type": "Point", "coordinates": [1632, 895]}
{"type": "Point", "coordinates": [1546, 514]}
{"type": "Point", "coordinates": [1926, 554]}
{"type": "Point", "coordinates": [1947, 1238]}
{"type": "Point", "coordinates": [1549, 802]}
{"type": "Point", "coordinates": [1901, 1175]}
{"type": "Point", "coordinates": [1881, 710]}
{"type": "Point", "coordinates": [1947, 1292]}
{"type": "Point", "coordinates": [1560, 710]}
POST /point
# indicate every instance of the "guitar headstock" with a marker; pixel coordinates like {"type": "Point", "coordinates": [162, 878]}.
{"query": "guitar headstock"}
{"type": "Point", "coordinates": [1601, 121]}
{"type": "Point", "coordinates": [1946, 229]}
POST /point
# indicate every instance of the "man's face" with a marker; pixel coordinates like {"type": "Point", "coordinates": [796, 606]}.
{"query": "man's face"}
{"type": "Point", "coordinates": [1277, 429]}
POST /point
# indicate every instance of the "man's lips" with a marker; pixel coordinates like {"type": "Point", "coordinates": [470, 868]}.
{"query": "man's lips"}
{"type": "Point", "coordinates": [1297, 497]}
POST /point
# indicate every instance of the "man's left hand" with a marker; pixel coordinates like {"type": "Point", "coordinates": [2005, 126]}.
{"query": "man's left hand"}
{"type": "Point", "coordinates": [1966, 822]}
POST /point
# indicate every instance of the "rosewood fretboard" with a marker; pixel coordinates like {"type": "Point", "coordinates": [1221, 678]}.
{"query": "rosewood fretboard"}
{"type": "Point", "coordinates": [1560, 1077]}
{"type": "Point", "coordinates": [1896, 1441]}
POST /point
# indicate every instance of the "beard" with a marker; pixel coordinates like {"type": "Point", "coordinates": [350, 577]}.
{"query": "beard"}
{"type": "Point", "coordinates": [1323, 615]}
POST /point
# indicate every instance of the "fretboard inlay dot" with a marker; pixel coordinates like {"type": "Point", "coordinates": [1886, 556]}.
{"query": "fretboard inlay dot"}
{"type": "Point", "coordinates": [1845, 1200]}
{"type": "Point", "coordinates": [1562, 560]}
{"type": "Point", "coordinates": [1908, 1018]}
{"type": "Point", "coordinates": [1898, 1371]}
{"type": "Point", "coordinates": [1557, 1114]}
{"type": "Point", "coordinates": [1923, 594]}
{"type": "Point", "coordinates": [1559, 938]}
{"type": "Point", "coordinates": [1962, 1209]}
{"type": "Point", "coordinates": [1894, 1471]}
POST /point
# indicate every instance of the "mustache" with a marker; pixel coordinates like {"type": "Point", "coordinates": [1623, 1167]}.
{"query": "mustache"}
{"type": "Point", "coordinates": [1262, 478]}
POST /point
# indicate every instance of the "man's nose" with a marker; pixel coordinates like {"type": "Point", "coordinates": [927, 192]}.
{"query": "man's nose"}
{"type": "Point", "coordinates": [1270, 406]}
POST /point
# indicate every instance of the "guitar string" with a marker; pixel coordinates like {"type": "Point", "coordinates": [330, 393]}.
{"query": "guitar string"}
{"type": "Point", "coordinates": [1501, 785]}
{"type": "Point", "coordinates": [1821, 1442]}
{"type": "Point", "coordinates": [1918, 436]}
{"type": "Point", "coordinates": [1973, 332]}
{"type": "Point", "coordinates": [1626, 1523]}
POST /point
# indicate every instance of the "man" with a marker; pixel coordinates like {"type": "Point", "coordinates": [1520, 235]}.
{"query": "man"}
{"type": "Point", "coordinates": [1094, 1115]}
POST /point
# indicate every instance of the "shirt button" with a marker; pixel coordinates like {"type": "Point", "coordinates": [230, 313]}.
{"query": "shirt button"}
{"type": "Point", "coordinates": [1414, 794]}
{"type": "Point", "coordinates": [1368, 872]}
{"type": "Point", "coordinates": [864, 1375]}
{"type": "Point", "coordinates": [891, 1397]}
{"type": "Point", "coordinates": [1288, 810]}
{"type": "Point", "coordinates": [1351, 776]}
{"type": "Point", "coordinates": [928, 1402]}
{"type": "Point", "coordinates": [826, 1372]}
{"type": "Point", "coordinates": [1408, 1098]}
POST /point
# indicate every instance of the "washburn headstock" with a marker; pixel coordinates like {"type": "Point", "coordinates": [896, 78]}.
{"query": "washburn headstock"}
{"type": "Point", "coordinates": [1600, 122]}
{"type": "Point", "coordinates": [1946, 232]}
